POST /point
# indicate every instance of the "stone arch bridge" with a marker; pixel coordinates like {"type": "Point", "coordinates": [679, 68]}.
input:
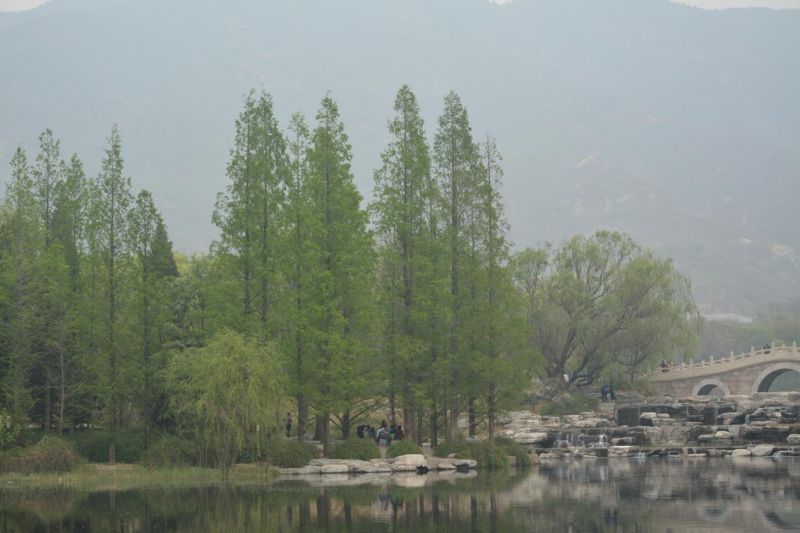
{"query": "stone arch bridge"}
{"type": "Point", "coordinates": [746, 373]}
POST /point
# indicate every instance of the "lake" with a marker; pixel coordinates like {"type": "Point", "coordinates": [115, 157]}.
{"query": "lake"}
{"type": "Point", "coordinates": [620, 495]}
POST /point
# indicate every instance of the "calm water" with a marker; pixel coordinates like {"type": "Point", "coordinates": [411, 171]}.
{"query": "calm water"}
{"type": "Point", "coordinates": [751, 495]}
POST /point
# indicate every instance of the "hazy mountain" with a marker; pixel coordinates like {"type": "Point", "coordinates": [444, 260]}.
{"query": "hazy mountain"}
{"type": "Point", "coordinates": [677, 125]}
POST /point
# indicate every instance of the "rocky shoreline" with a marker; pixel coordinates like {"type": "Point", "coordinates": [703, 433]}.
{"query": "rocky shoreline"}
{"type": "Point", "coordinates": [736, 426]}
{"type": "Point", "coordinates": [404, 463]}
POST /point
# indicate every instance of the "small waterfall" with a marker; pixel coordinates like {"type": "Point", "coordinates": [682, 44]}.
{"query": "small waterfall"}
{"type": "Point", "coordinates": [602, 441]}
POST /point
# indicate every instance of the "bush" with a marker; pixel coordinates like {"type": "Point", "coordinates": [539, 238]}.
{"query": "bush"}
{"type": "Point", "coordinates": [355, 448]}
{"type": "Point", "coordinates": [93, 445]}
{"type": "Point", "coordinates": [460, 448]}
{"type": "Point", "coordinates": [288, 453]}
{"type": "Point", "coordinates": [570, 404]}
{"type": "Point", "coordinates": [50, 454]}
{"type": "Point", "coordinates": [170, 451]}
{"type": "Point", "coordinates": [487, 455]}
{"type": "Point", "coordinates": [514, 449]}
{"type": "Point", "coordinates": [402, 447]}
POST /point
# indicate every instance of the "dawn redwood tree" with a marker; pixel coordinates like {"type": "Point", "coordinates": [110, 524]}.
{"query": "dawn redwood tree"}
{"type": "Point", "coordinates": [113, 203]}
{"type": "Point", "coordinates": [401, 224]}
{"type": "Point", "coordinates": [154, 265]}
{"type": "Point", "coordinates": [341, 279]}
{"type": "Point", "coordinates": [455, 165]}
{"type": "Point", "coordinates": [249, 212]}
{"type": "Point", "coordinates": [21, 236]}
{"type": "Point", "coordinates": [301, 258]}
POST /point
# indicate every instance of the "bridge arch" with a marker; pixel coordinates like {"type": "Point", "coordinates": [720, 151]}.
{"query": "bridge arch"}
{"type": "Point", "coordinates": [767, 377]}
{"type": "Point", "coordinates": [705, 387]}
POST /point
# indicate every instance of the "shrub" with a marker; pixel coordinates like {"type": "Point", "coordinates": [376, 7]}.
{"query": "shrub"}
{"type": "Point", "coordinates": [170, 451]}
{"type": "Point", "coordinates": [355, 448]}
{"type": "Point", "coordinates": [8, 430]}
{"type": "Point", "coordinates": [460, 448]}
{"type": "Point", "coordinates": [487, 454]}
{"type": "Point", "coordinates": [288, 453]}
{"type": "Point", "coordinates": [50, 454]}
{"type": "Point", "coordinates": [570, 404]}
{"type": "Point", "coordinates": [402, 447]}
{"type": "Point", "coordinates": [93, 445]}
{"type": "Point", "coordinates": [514, 449]}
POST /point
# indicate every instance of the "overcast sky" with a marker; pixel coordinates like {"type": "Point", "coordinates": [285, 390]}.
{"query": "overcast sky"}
{"type": "Point", "coordinates": [17, 5]}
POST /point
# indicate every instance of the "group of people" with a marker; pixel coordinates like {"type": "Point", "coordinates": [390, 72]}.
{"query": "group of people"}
{"type": "Point", "coordinates": [382, 433]}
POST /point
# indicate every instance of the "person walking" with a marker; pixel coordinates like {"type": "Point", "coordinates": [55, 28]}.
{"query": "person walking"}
{"type": "Point", "coordinates": [288, 424]}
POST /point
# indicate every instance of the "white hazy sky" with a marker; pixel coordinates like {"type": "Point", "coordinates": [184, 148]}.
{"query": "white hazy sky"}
{"type": "Point", "coordinates": [21, 5]}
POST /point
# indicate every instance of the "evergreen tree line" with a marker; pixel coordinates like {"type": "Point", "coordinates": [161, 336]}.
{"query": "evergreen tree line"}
{"type": "Point", "coordinates": [308, 301]}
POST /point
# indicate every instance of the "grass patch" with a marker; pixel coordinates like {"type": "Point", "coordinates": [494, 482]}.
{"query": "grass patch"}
{"type": "Point", "coordinates": [288, 453]}
{"type": "Point", "coordinates": [50, 454]}
{"type": "Point", "coordinates": [102, 477]}
{"type": "Point", "coordinates": [569, 404]}
{"type": "Point", "coordinates": [402, 447]}
{"type": "Point", "coordinates": [355, 448]}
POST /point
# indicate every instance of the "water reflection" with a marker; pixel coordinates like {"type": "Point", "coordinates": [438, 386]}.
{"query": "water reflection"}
{"type": "Point", "coordinates": [580, 496]}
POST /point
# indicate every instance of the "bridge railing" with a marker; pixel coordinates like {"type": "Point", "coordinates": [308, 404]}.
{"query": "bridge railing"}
{"type": "Point", "coordinates": [772, 349]}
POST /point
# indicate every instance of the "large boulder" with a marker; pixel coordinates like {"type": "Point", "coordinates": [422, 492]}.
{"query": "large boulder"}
{"type": "Point", "coordinates": [531, 438]}
{"type": "Point", "coordinates": [414, 460]}
{"type": "Point", "coordinates": [464, 463]}
{"type": "Point", "coordinates": [762, 450]}
{"type": "Point", "coordinates": [793, 439]}
{"type": "Point", "coordinates": [741, 453]}
{"type": "Point", "coordinates": [334, 469]}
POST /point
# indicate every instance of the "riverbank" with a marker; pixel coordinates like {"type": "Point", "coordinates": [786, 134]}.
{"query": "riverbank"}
{"type": "Point", "coordinates": [102, 477]}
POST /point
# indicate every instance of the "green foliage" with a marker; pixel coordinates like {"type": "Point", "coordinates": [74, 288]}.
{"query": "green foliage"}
{"type": "Point", "coordinates": [569, 404]}
{"type": "Point", "coordinates": [355, 448]}
{"type": "Point", "coordinates": [289, 453]}
{"type": "Point", "coordinates": [487, 454]}
{"type": "Point", "coordinates": [514, 449]}
{"type": "Point", "coordinates": [459, 447]}
{"type": "Point", "coordinates": [170, 451]}
{"type": "Point", "coordinates": [92, 444]}
{"type": "Point", "coordinates": [402, 447]}
{"type": "Point", "coordinates": [601, 303]}
{"type": "Point", "coordinates": [225, 391]}
{"type": "Point", "coordinates": [8, 430]}
{"type": "Point", "coordinates": [50, 454]}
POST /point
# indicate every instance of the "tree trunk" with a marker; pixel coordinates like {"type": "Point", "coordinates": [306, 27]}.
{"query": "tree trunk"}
{"type": "Point", "coordinates": [62, 392]}
{"type": "Point", "coordinates": [392, 408]}
{"type": "Point", "coordinates": [346, 423]}
{"type": "Point", "coordinates": [326, 433]}
{"type": "Point", "coordinates": [409, 422]}
{"type": "Point", "coordinates": [471, 413]}
{"type": "Point", "coordinates": [434, 427]}
{"type": "Point", "coordinates": [318, 427]}
{"type": "Point", "coordinates": [302, 416]}
{"type": "Point", "coordinates": [491, 411]}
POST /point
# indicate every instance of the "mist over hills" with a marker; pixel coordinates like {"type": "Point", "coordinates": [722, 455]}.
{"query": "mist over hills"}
{"type": "Point", "coordinates": [677, 125]}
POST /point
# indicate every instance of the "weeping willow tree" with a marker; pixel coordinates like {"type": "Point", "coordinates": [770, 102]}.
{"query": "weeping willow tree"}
{"type": "Point", "coordinates": [227, 393]}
